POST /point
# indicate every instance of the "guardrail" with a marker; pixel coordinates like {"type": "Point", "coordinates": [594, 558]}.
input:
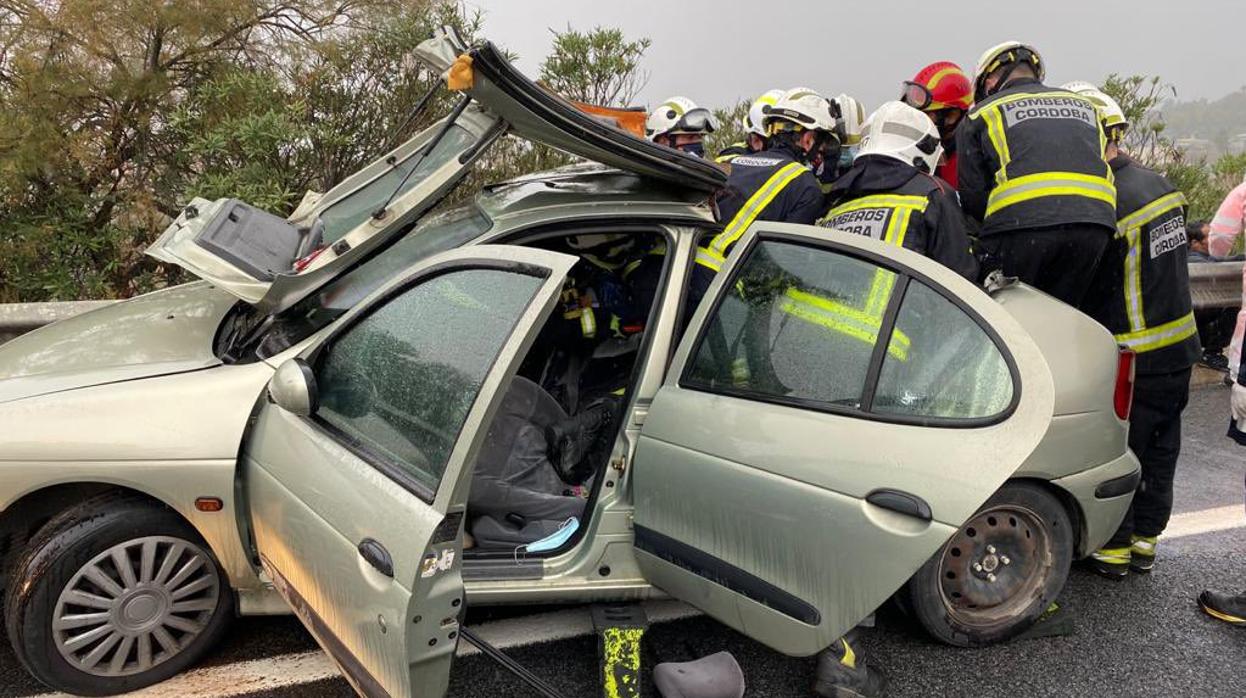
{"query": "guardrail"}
{"type": "Point", "coordinates": [1212, 285]}
{"type": "Point", "coordinates": [1216, 285]}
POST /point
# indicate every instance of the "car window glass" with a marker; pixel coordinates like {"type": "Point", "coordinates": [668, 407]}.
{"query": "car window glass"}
{"type": "Point", "coordinates": [401, 382]}
{"type": "Point", "coordinates": [798, 323]}
{"type": "Point", "coordinates": [953, 369]}
{"type": "Point", "coordinates": [446, 231]}
{"type": "Point", "coordinates": [348, 213]}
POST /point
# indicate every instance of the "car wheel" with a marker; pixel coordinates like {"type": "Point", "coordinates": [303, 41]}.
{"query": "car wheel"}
{"type": "Point", "coordinates": [114, 595]}
{"type": "Point", "coordinates": [999, 573]}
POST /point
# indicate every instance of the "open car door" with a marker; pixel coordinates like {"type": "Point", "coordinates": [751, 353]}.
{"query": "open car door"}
{"type": "Point", "coordinates": [267, 261]}
{"type": "Point", "coordinates": [835, 412]}
{"type": "Point", "coordinates": [357, 486]}
{"type": "Point", "coordinates": [541, 116]}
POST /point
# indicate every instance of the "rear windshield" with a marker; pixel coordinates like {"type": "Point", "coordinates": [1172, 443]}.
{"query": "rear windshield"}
{"type": "Point", "coordinates": [442, 232]}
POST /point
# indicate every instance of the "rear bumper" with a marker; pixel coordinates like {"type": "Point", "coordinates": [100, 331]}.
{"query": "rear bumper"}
{"type": "Point", "coordinates": [1103, 494]}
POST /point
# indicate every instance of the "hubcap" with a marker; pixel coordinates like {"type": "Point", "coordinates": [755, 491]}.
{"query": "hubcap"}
{"type": "Point", "coordinates": [995, 565]}
{"type": "Point", "coordinates": [135, 606]}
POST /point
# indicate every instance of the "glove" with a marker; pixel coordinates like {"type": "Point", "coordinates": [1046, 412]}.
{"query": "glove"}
{"type": "Point", "coordinates": [1237, 402]}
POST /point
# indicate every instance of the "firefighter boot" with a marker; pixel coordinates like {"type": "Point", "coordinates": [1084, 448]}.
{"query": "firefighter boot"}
{"type": "Point", "coordinates": [842, 673]}
{"type": "Point", "coordinates": [1112, 563]}
{"type": "Point", "coordinates": [1229, 608]}
{"type": "Point", "coordinates": [1142, 553]}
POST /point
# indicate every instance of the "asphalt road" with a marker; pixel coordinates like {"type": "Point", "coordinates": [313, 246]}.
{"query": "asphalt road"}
{"type": "Point", "coordinates": [1142, 636]}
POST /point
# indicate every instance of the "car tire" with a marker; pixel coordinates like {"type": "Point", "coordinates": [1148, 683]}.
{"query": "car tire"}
{"type": "Point", "coordinates": [999, 573]}
{"type": "Point", "coordinates": [73, 609]}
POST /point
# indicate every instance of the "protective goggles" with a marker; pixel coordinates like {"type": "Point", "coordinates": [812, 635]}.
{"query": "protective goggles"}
{"type": "Point", "coordinates": [698, 120]}
{"type": "Point", "coordinates": [916, 95]}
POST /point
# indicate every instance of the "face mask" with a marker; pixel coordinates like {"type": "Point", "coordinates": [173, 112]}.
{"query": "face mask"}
{"type": "Point", "coordinates": [697, 149]}
{"type": "Point", "coordinates": [553, 541]}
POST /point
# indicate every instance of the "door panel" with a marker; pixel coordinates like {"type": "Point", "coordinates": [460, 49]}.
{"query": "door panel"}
{"type": "Point", "coordinates": [368, 482]}
{"type": "Point", "coordinates": [752, 483]}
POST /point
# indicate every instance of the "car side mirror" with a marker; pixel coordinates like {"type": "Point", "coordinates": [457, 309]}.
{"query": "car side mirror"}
{"type": "Point", "coordinates": [293, 388]}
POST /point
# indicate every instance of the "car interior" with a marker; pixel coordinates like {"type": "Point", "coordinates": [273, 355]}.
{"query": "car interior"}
{"type": "Point", "coordinates": [536, 474]}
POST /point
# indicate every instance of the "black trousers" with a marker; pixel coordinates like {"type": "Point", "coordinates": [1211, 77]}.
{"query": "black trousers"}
{"type": "Point", "coordinates": [1215, 328]}
{"type": "Point", "coordinates": [1155, 438]}
{"type": "Point", "coordinates": [1058, 261]}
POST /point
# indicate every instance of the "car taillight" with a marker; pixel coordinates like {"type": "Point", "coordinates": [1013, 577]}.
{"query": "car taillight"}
{"type": "Point", "coordinates": [1123, 398]}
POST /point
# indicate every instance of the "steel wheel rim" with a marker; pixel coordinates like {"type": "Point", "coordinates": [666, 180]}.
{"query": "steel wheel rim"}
{"type": "Point", "coordinates": [135, 606]}
{"type": "Point", "coordinates": [993, 567]}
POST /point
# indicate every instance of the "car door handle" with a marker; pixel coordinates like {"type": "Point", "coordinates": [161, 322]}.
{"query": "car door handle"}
{"type": "Point", "coordinates": [901, 502]}
{"type": "Point", "coordinates": [377, 556]}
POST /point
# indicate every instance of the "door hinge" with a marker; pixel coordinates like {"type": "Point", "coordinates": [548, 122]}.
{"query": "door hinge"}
{"type": "Point", "coordinates": [619, 464]}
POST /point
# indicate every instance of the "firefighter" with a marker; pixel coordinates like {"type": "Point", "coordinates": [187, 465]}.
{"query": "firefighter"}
{"type": "Point", "coordinates": [1141, 293]}
{"type": "Point", "coordinates": [849, 124]}
{"type": "Point", "coordinates": [943, 91]}
{"type": "Point", "coordinates": [754, 132]}
{"type": "Point", "coordinates": [776, 184]}
{"type": "Point", "coordinates": [679, 123]}
{"type": "Point", "coordinates": [890, 193]}
{"type": "Point", "coordinates": [1031, 168]}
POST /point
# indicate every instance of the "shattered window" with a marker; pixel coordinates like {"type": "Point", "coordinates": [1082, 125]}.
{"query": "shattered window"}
{"type": "Point", "coordinates": [401, 382]}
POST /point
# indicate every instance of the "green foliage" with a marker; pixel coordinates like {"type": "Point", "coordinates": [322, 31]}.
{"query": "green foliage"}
{"type": "Point", "coordinates": [1205, 184]}
{"type": "Point", "coordinates": [730, 127]}
{"type": "Point", "coordinates": [600, 66]}
{"type": "Point", "coordinates": [113, 115]}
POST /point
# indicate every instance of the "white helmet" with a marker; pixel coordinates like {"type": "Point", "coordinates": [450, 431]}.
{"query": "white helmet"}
{"type": "Point", "coordinates": [1003, 54]}
{"type": "Point", "coordinates": [800, 107]}
{"type": "Point", "coordinates": [753, 120]}
{"type": "Point", "coordinates": [1110, 112]}
{"type": "Point", "coordinates": [896, 130]}
{"type": "Point", "coordinates": [678, 115]}
{"type": "Point", "coordinates": [851, 119]}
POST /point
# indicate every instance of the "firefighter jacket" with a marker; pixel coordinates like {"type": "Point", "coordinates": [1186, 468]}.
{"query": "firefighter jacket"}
{"type": "Point", "coordinates": [767, 186]}
{"type": "Point", "coordinates": [1141, 290]}
{"type": "Point", "coordinates": [883, 198]}
{"type": "Point", "coordinates": [732, 152]}
{"type": "Point", "coordinates": [1031, 156]}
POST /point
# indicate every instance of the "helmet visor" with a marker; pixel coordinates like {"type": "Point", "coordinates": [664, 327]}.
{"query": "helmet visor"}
{"type": "Point", "coordinates": [916, 95]}
{"type": "Point", "coordinates": [698, 120]}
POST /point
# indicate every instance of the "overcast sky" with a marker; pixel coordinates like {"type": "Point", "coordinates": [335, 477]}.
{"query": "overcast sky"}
{"type": "Point", "coordinates": [715, 51]}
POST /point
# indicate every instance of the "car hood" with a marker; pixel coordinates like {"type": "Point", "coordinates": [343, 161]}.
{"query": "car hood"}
{"type": "Point", "coordinates": [169, 331]}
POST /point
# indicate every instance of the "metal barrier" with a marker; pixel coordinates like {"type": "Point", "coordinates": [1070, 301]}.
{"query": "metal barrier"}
{"type": "Point", "coordinates": [1212, 285]}
{"type": "Point", "coordinates": [1216, 285]}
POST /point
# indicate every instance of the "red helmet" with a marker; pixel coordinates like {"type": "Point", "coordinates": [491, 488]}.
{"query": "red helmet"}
{"type": "Point", "coordinates": [940, 85]}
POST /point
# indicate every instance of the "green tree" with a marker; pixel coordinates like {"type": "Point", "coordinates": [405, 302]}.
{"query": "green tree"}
{"type": "Point", "coordinates": [114, 114]}
{"type": "Point", "coordinates": [730, 127]}
{"type": "Point", "coordinates": [601, 66]}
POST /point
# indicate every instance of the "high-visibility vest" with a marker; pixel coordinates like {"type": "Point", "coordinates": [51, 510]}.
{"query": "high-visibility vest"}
{"type": "Point", "coordinates": [1038, 151]}
{"type": "Point", "coordinates": [1141, 291]}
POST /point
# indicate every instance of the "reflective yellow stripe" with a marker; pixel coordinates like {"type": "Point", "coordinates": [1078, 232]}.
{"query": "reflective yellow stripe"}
{"type": "Point", "coordinates": [754, 206]}
{"type": "Point", "coordinates": [588, 322]}
{"type": "Point", "coordinates": [843, 319]}
{"type": "Point", "coordinates": [1133, 282]}
{"type": "Point", "coordinates": [1151, 211]}
{"type": "Point", "coordinates": [710, 259]}
{"type": "Point", "coordinates": [1164, 335]}
{"type": "Point", "coordinates": [876, 201]}
{"type": "Point", "coordinates": [1036, 186]}
{"type": "Point", "coordinates": [850, 658]}
{"type": "Point", "coordinates": [999, 140]}
{"type": "Point", "coordinates": [1130, 227]}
